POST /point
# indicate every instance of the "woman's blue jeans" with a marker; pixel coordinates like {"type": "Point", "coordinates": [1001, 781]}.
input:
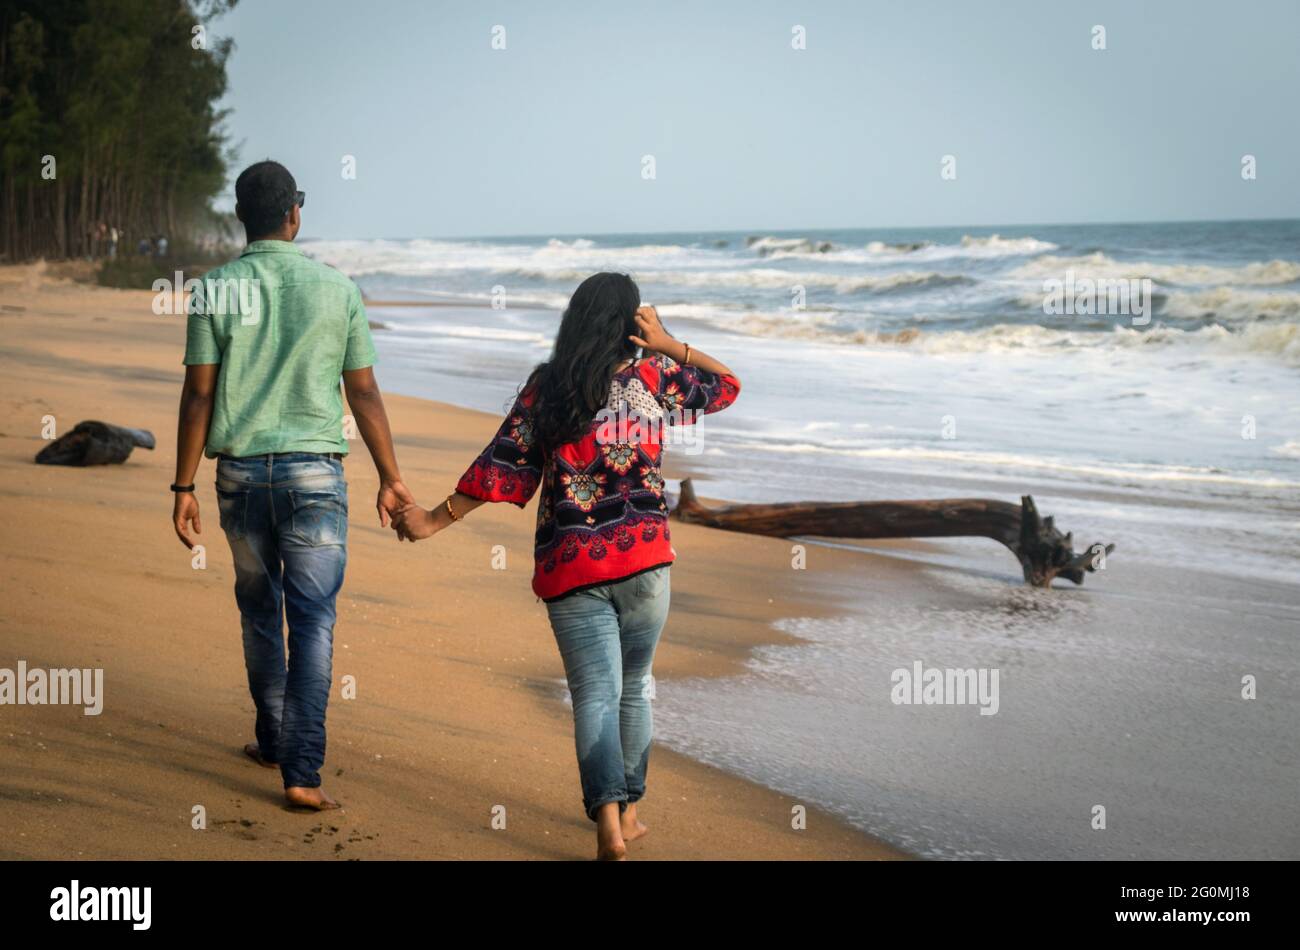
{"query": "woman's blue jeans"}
{"type": "Point", "coordinates": [607, 637]}
{"type": "Point", "coordinates": [286, 518]}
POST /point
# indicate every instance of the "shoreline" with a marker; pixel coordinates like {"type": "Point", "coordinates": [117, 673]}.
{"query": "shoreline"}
{"type": "Point", "coordinates": [454, 666]}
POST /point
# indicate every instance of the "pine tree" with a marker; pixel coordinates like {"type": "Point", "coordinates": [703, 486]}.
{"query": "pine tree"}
{"type": "Point", "coordinates": [124, 100]}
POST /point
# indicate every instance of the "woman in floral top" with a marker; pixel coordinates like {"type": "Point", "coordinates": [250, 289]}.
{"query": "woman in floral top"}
{"type": "Point", "coordinates": [588, 428]}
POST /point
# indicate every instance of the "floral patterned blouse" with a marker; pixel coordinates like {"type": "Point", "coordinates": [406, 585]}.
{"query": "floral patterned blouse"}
{"type": "Point", "coordinates": [602, 515]}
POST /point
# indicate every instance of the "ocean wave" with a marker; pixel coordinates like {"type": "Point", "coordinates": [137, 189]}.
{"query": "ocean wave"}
{"type": "Point", "coordinates": [765, 278]}
{"type": "Point", "coordinates": [904, 247]}
{"type": "Point", "coordinates": [1226, 303]}
{"type": "Point", "coordinates": [1233, 304]}
{"type": "Point", "coordinates": [569, 261]}
{"type": "Point", "coordinates": [874, 252]}
{"type": "Point", "coordinates": [906, 280]}
{"type": "Point", "coordinates": [970, 247]}
{"type": "Point", "coordinates": [467, 332]}
{"type": "Point", "coordinates": [423, 257]}
{"type": "Point", "coordinates": [579, 244]}
{"type": "Point", "coordinates": [1279, 341]}
{"type": "Point", "coordinates": [995, 244]}
{"type": "Point", "coordinates": [1099, 266]}
{"type": "Point", "coordinates": [765, 246]}
{"type": "Point", "coordinates": [530, 300]}
{"type": "Point", "coordinates": [584, 248]}
{"type": "Point", "coordinates": [1015, 462]}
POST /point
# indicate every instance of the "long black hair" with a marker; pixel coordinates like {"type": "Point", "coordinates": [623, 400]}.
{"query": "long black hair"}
{"type": "Point", "coordinates": [573, 385]}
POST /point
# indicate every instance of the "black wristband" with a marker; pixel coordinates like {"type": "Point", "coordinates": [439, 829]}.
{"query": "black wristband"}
{"type": "Point", "coordinates": [182, 488]}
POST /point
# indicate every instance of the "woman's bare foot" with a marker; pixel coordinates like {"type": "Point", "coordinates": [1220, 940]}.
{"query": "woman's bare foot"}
{"type": "Point", "coordinates": [314, 798]}
{"type": "Point", "coordinates": [630, 826]}
{"type": "Point", "coordinates": [609, 834]}
{"type": "Point", "coordinates": [253, 752]}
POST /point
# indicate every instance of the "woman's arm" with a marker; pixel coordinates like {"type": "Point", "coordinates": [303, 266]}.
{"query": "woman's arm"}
{"type": "Point", "coordinates": [414, 523]}
{"type": "Point", "coordinates": [654, 337]}
{"type": "Point", "coordinates": [509, 469]}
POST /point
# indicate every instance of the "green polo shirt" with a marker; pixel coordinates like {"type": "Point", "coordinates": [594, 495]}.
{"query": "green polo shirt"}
{"type": "Point", "coordinates": [284, 328]}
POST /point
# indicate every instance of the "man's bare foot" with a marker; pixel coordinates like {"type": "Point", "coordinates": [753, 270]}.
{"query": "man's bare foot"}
{"type": "Point", "coordinates": [615, 852]}
{"type": "Point", "coordinates": [314, 798]}
{"type": "Point", "coordinates": [631, 826]}
{"type": "Point", "coordinates": [253, 752]}
{"type": "Point", "coordinates": [609, 834]}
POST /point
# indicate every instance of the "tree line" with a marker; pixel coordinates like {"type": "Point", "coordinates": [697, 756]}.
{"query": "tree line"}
{"type": "Point", "coordinates": [109, 124]}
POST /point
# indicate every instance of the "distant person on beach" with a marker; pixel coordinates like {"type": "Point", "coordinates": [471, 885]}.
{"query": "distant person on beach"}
{"type": "Point", "coordinates": [261, 395]}
{"type": "Point", "coordinates": [588, 428]}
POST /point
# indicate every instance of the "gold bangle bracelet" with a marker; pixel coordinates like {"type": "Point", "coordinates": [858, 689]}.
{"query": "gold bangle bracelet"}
{"type": "Point", "coordinates": [450, 510]}
{"type": "Point", "coordinates": [686, 360]}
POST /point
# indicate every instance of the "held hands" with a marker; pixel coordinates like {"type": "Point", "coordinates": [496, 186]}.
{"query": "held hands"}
{"type": "Point", "coordinates": [413, 523]}
{"type": "Point", "coordinates": [393, 497]}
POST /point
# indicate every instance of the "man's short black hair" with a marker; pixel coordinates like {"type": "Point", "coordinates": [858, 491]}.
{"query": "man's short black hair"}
{"type": "Point", "coordinates": [265, 192]}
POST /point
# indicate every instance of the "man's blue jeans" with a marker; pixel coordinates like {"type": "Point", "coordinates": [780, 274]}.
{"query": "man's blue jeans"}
{"type": "Point", "coordinates": [607, 637]}
{"type": "Point", "coordinates": [286, 517]}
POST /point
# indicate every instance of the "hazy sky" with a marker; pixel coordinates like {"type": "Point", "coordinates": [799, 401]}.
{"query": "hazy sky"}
{"type": "Point", "coordinates": [454, 138]}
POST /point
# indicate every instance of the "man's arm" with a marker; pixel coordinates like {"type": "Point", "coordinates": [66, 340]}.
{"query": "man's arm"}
{"type": "Point", "coordinates": [191, 435]}
{"type": "Point", "coordinates": [367, 405]}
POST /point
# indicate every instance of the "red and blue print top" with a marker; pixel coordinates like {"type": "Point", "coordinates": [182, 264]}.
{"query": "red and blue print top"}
{"type": "Point", "coordinates": [602, 515]}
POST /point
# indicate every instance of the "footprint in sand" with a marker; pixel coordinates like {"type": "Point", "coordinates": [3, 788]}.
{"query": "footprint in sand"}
{"type": "Point", "coordinates": [242, 827]}
{"type": "Point", "coordinates": [354, 836]}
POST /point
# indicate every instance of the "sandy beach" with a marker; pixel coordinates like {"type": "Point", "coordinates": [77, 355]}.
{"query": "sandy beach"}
{"type": "Point", "coordinates": [459, 690]}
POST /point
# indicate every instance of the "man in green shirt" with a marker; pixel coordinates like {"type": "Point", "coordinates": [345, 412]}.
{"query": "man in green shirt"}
{"type": "Point", "coordinates": [268, 337]}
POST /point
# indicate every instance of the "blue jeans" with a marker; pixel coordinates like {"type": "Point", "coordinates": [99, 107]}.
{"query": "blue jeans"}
{"type": "Point", "coordinates": [607, 637]}
{"type": "Point", "coordinates": [286, 518]}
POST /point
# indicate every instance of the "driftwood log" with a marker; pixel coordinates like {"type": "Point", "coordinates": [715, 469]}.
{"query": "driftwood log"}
{"type": "Point", "coordinates": [94, 443]}
{"type": "Point", "coordinates": [1043, 552]}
